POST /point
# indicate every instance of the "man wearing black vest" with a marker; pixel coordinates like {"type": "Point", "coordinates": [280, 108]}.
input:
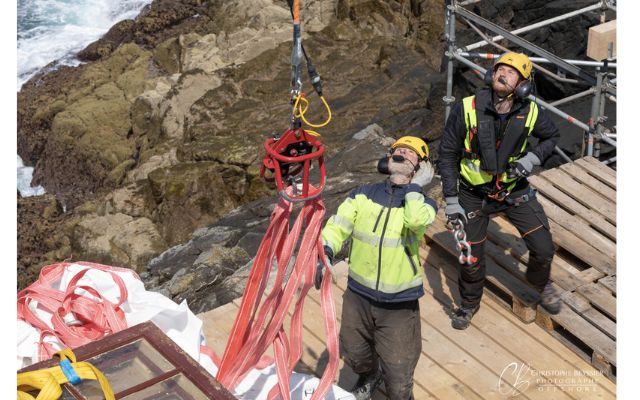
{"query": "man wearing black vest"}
{"type": "Point", "coordinates": [485, 158]}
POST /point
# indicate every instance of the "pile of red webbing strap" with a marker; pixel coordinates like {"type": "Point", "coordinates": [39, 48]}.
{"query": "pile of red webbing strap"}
{"type": "Point", "coordinates": [257, 326]}
{"type": "Point", "coordinates": [94, 316]}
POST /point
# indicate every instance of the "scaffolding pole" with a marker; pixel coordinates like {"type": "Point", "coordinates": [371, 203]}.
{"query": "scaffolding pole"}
{"type": "Point", "coordinates": [450, 35]}
{"type": "Point", "coordinates": [573, 97]}
{"type": "Point", "coordinates": [572, 69]}
{"type": "Point", "coordinates": [540, 60]}
{"type": "Point", "coordinates": [536, 25]}
{"type": "Point", "coordinates": [595, 109]}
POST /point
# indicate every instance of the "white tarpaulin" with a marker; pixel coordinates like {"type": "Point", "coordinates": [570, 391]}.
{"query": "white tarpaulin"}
{"type": "Point", "coordinates": [175, 320]}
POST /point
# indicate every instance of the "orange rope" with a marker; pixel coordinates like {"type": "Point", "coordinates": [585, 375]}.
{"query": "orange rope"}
{"type": "Point", "coordinates": [296, 11]}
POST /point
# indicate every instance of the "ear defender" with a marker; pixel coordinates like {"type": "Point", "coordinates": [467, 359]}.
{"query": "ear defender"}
{"type": "Point", "coordinates": [523, 89]}
{"type": "Point", "coordinates": [488, 77]}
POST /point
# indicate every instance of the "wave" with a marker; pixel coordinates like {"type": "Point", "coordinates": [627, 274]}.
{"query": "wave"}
{"type": "Point", "coordinates": [55, 30]}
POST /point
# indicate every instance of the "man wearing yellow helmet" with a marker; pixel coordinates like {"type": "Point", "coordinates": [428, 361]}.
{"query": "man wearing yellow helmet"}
{"type": "Point", "coordinates": [485, 158]}
{"type": "Point", "coordinates": [380, 332]}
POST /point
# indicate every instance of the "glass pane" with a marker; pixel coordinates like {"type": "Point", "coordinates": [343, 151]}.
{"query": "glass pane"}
{"type": "Point", "coordinates": [177, 387]}
{"type": "Point", "coordinates": [125, 367]}
{"type": "Point", "coordinates": [66, 395]}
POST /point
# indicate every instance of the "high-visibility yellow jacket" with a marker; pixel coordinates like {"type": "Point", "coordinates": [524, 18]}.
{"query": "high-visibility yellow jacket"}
{"type": "Point", "coordinates": [386, 223]}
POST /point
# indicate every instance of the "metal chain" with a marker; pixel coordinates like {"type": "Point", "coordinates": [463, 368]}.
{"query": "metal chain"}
{"type": "Point", "coordinates": [457, 228]}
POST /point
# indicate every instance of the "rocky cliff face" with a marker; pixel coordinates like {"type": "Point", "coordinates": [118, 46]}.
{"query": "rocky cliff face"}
{"type": "Point", "coordinates": [150, 151]}
{"type": "Point", "coordinates": [161, 132]}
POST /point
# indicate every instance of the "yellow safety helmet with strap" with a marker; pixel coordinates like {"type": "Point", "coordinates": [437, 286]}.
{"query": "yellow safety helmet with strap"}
{"type": "Point", "coordinates": [414, 143]}
{"type": "Point", "coordinates": [518, 61]}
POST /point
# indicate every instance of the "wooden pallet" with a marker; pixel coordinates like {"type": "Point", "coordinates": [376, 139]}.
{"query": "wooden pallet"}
{"type": "Point", "coordinates": [579, 200]}
{"type": "Point", "coordinates": [583, 228]}
{"type": "Point", "coordinates": [501, 284]}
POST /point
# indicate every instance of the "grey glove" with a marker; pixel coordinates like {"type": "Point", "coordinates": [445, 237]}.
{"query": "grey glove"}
{"type": "Point", "coordinates": [424, 175]}
{"type": "Point", "coordinates": [523, 167]}
{"type": "Point", "coordinates": [319, 267]}
{"type": "Point", "coordinates": [454, 210]}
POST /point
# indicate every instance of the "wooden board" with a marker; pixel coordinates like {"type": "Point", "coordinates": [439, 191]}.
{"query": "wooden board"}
{"type": "Point", "coordinates": [600, 297]}
{"type": "Point", "coordinates": [570, 223]}
{"type": "Point", "coordinates": [609, 282]}
{"type": "Point", "coordinates": [574, 244]}
{"type": "Point", "coordinates": [598, 41]}
{"type": "Point", "coordinates": [598, 170]}
{"type": "Point", "coordinates": [453, 364]}
{"type": "Point", "coordinates": [581, 336]}
{"type": "Point", "coordinates": [593, 183]}
{"type": "Point", "coordinates": [581, 193]}
{"type": "Point", "coordinates": [594, 219]}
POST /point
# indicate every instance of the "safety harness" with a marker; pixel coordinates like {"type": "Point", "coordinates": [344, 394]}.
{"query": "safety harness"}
{"type": "Point", "coordinates": [260, 320]}
{"type": "Point", "coordinates": [483, 159]}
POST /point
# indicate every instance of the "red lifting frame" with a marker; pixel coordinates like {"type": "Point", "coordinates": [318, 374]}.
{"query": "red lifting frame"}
{"type": "Point", "coordinates": [275, 157]}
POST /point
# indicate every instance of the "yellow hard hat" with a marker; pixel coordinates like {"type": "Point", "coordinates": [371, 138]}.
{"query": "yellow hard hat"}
{"type": "Point", "coordinates": [416, 144]}
{"type": "Point", "coordinates": [518, 61]}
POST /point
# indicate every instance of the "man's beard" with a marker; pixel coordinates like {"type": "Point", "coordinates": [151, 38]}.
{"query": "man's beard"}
{"type": "Point", "coordinates": [400, 172]}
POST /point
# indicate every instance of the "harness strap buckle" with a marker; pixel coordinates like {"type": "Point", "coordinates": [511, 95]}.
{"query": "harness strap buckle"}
{"type": "Point", "coordinates": [521, 199]}
{"type": "Point", "coordinates": [498, 196]}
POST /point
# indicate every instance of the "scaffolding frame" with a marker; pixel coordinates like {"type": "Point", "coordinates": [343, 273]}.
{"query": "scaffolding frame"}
{"type": "Point", "coordinates": [601, 80]}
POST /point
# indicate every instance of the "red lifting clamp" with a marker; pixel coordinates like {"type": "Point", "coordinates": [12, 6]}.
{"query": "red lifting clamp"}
{"type": "Point", "coordinates": [289, 154]}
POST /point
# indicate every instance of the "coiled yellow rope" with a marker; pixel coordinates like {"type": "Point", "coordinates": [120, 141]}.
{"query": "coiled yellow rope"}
{"type": "Point", "coordinates": [301, 106]}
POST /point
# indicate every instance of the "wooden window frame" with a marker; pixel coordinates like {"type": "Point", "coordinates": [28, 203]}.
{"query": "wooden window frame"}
{"type": "Point", "coordinates": [181, 361]}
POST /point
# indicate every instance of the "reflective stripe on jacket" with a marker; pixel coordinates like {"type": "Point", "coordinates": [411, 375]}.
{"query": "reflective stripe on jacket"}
{"type": "Point", "coordinates": [386, 223]}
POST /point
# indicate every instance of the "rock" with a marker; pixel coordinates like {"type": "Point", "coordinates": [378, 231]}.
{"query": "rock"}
{"type": "Point", "coordinates": [121, 32]}
{"type": "Point", "coordinates": [87, 146]}
{"type": "Point", "coordinates": [134, 200]}
{"type": "Point", "coordinates": [39, 236]}
{"type": "Point", "coordinates": [118, 239]}
{"type": "Point", "coordinates": [191, 195]}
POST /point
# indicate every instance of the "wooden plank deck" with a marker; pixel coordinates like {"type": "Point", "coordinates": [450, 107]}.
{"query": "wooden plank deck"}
{"type": "Point", "coordinates": [497, 357]}
{"type": "Point", "coordinates": [579, 200]}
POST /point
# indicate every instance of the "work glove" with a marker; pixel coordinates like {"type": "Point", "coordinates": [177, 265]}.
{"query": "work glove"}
{"type": "Point", "coordinates": [522, 167]}
{"type": "Point", "coordinates": [319, 267]}
{"type": "Point", "coordinates": [454, 210]}
{"type": "Point", "coordinates": [424, 175]}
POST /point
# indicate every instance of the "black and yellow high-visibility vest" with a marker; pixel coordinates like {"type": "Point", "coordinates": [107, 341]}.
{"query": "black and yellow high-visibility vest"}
{"type": "Point", "coordinates": [486, 159]}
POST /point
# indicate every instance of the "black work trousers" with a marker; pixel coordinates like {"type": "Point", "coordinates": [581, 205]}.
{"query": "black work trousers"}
{"type": "Point", "coordinates": [532, 223]}
{"type": "Point", "coordinates": [388, 335]}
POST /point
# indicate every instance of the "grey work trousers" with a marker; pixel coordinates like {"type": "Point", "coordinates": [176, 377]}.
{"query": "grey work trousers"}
{"type": "Point", "coordinates": [388, 335]}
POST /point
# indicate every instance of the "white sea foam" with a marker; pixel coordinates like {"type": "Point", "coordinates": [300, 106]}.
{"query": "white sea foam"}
{"type": "Point", "coordinates": [25, 174]}
{"type": "Point", "coordinates": [54, 30]}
